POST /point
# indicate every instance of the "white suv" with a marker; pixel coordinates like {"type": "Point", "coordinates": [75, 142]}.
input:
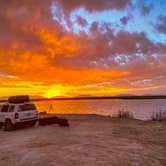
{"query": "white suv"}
{"type": "Point", "coordinates": [17, 114]}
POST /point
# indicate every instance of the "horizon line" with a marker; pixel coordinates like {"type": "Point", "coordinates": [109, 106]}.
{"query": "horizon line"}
{"type": "Point", "coordinates": [98, 97]}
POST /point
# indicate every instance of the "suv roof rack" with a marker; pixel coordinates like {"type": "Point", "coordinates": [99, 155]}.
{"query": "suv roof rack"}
{"type": "Point", "coordinates": [18, 99]}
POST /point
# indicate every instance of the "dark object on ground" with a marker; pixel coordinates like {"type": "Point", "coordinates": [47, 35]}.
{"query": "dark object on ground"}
{"type": "Point", "coordinates": [18, 99]}
{"type": "Point", "coordinates": [53, 120]}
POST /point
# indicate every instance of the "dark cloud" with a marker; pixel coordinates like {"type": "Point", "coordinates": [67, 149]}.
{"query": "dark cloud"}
{"type": "Point", "coordinates": [81, 21]}
{"type": "Point", "coordinates": [124, 20]}
{"type": "Point", "coordinates": [161, 27]}
{"type": "Point", "coordinates": [21, 19]}
{"type": "Point", "coordinates": [94, 27]}
{"type": "Point", "coordinates": [146, 9]}
{"type": "Point", "coordinates": [110, 51]}
{"type": "Point", "coordinates": [94, 5]}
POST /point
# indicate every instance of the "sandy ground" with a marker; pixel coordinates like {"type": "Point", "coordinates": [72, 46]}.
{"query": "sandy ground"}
{"type": "Point", "coordinates": [90, 141]}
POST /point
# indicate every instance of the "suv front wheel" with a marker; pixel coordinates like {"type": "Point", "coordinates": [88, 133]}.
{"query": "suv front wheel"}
{"type": "Point", "coordinates": [8, 125]}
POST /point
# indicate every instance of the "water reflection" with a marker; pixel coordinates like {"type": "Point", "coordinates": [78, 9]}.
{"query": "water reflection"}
{"type": "Point", "coordinates": [141, 109]}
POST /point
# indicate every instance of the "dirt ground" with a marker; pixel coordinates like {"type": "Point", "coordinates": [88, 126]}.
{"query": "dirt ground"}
{"type": "Point", "coordinates": [91, 140]}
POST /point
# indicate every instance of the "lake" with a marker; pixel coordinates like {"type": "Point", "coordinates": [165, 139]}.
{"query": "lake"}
{"type": "Point", "coordinates": [141, 109]}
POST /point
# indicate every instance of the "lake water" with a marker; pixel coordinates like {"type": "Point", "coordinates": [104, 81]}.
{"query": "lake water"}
{"type": "Point", "coordinates": [141, 109]}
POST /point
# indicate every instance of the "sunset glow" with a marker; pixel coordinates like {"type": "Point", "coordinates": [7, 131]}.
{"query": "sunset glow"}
{"type": "Point", "coordinates": [63, 48]}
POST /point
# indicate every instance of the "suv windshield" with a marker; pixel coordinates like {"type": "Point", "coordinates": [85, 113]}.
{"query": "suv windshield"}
{"type": "Point", "coordinates": [27, 107]}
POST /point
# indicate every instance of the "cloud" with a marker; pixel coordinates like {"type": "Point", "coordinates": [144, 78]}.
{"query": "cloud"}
{"type": "Point", "coordinates": [34, 47]}
{"type": "Point", "coordinates": [81, 21]}
{"type": "Point", "coordinates": [161, 27]}
{"type": "Point", "coordinates": [124, 20]}
{"type": "Point", "coordinates": [93, 5]}
{"type": "Point", "coordinates": [146, 9]}
{"type": "Point", "coordinates": [21, 20]}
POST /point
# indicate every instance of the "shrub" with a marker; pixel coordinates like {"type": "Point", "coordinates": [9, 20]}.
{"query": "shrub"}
{"type": "Point", "coordinates": [159, 115]}
{"type": "Point", "coordinates": [125, 114]}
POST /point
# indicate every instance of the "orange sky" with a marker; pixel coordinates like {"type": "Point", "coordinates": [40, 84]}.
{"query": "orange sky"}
{"type": "Point", "coordinates": [42, 53]}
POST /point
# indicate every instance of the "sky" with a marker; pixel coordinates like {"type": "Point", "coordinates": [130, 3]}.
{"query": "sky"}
{"type": "Point", "coordinates": [82, 47]}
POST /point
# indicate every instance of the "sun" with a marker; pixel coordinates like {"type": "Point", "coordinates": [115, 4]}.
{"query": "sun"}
{"type": "Point", "coordinates": [54, 91]}
{"type": "Point", "coordinates": [50, 94]}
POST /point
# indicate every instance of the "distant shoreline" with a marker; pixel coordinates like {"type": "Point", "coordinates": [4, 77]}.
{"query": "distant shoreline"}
{"type": "Point", "coordinates": [99, 98]}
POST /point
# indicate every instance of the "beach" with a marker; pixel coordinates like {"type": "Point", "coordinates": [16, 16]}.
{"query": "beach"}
{"type": "Point", "coordinates": [91, 140]}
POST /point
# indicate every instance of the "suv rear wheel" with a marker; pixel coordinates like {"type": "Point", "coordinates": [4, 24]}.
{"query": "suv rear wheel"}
{"type": "Point", "coordinates": [8, 125]}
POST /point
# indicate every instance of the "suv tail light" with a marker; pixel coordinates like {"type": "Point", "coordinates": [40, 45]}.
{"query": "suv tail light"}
{"type": "Point", "coordinates": [16, 116]}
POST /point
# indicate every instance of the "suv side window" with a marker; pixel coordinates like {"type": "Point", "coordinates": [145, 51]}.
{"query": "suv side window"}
{"type": "Point", "coordinates": [27, 107]}
{"type": "Point", "coordinates": [11, 108]}
{"type": "Point", "coordinates": [4, 108]}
